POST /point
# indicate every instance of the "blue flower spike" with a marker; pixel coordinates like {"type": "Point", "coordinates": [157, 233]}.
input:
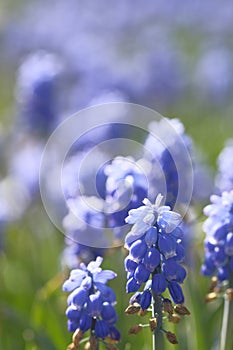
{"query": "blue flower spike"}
{"type": "Point", "coordinates": [154, 262]}
{"type": "Point", "coordinates": [91, 305]}
{"type": "Point", "coordinates": [218, 244]}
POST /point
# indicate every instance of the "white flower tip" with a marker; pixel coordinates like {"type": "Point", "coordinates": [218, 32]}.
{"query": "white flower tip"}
{"type": "Point", "coordinates": [158, 200]}
{"type": "Point", "coordinates": [99, 260]}
{"type": "Point", "coordinates": [146, 201]}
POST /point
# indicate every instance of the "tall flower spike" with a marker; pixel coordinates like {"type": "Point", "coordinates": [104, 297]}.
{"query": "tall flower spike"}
{"type": "Point", "coordinates": [219, 237]}
{"type": "Point", "coordinates": [126, 186]}
{"type": "Point", "coordinates": [155, 253]}
{"type": "Point", "coordinates": [36, 87]}
{"type": "Point", "coordinates": [173, 162]}
{"type": "Point", "coordinates": [91, 303]}
{"type": "Point", "coordinates": [219, 258]}
{"type": "Point", "coordinates": [224, 179]}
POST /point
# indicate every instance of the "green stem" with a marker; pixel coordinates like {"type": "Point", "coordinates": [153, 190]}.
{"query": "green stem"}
{"type": "Point", "coordinates": [157, 312]}
{"type": "Point", "coordinates": [226, 340]}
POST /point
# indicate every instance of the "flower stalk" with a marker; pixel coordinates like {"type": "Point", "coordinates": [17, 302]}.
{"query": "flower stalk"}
{"type": "Point", "coordinates": [157, 313]}
{"type": "Point", "coordinates": [226, 340]}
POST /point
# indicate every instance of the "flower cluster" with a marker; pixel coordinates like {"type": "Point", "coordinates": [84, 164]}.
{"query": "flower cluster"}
{"type": "Point", "coordinates": [76, 42]}
{"type": "Point", "coordinates": [84, 221]}
{"type": "Point", "coordinates": [91, 303]}
{"type": "Point", "coordinates": [36, 86]}
{"type": "Point", "coordinates": [224, 179]}
{"type": "Point", "coordinates": [174, 163]}
{"type": "Point", "coordinates": [219, 237]}
{"type": "Point", "coordinates": [156, 250]}
{"type": "Point", "coordinates": [121, 184]}
{"type": "Point", "coordinates": [126, 186]}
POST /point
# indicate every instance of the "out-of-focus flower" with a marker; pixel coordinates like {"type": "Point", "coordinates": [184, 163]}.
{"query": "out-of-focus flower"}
{"type": "Point", "coordinates": [219, 237]}
{"type": "Point", "coordinates": [172, 164]}
{"type": "Point", "coordinates": [224, 179]}
{"type": "Point", "coordinates": [126, 186]}
{"type": "Point", "coordinates": [35, 92]}
{"type": "Point", "coordinates": [15, 198]}
{"type": "Point", "coordinates": [85, 230]}
{"type": "Point", "coordinates": [213, 77]}
{"type": "Point", "coordinates": [24, 164]}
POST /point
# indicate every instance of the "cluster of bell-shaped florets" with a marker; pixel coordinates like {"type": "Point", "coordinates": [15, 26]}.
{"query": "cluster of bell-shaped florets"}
{"type": "Point", "coordinates": [219, 237]}
{"type": "Point", "coordinates": [91, 303]}
{"type": "Point", "coordinates": [126, 186]}
{"type": "Point", "coordinates": [155, 253]}
{"type": "Point", "coordinates": [224, 178]}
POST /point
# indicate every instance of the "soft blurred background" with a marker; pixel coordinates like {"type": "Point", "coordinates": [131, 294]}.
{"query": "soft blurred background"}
{"type": "Point", "coordinates": [57, 57]}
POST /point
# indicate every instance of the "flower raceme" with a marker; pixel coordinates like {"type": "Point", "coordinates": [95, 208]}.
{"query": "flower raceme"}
{"type": "Point", "coordinates": [219, 237]}
{"type": "Point", "coordinates": [91, 302]}
{"type": "Point", "coordinates": [156, 251]}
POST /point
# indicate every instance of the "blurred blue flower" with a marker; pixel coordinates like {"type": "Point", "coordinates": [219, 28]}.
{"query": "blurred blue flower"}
{"type": "Point", "coordinates": [35, 92]}
{"type": "Point", "coordinates": [90, 304]}
{"type": "Point", "coordinates": [218, 242]}
{"type": "Point", "coordinates": [24, 165]}
{"type": "Point", "coordinates": [224, 178]}
{"type": "Point", "coordinates": [213, 74]}
{"type": "Point", "coordinates": [84, 222]}
{"type": "Point", "coordinates": [126, 186]}
{"type": "Point", "coordinates": [172, 162]}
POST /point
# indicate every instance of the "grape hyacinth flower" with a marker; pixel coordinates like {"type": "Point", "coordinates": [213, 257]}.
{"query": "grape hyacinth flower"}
{"type": "Point", "coordinates": [173, 161]}
{"type": "Point", "coordinates": [219, 237]}
{"type": "Point", "coordinates": [126, 186]}
{"type": "Point", "coordinates": [224, 179]}
{"type": "Point", "coordinates": [155, 256]}
{"type": "Point", "coordinates": [219, 259]}
{"type": "Point", "coordinates": [35, 91]}
{"type": "Point", "coordinates": [84, 222]}
{"type": "Point", "coordinates": [91, 305]}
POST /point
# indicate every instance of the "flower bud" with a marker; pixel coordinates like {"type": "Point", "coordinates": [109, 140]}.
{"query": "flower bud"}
{"type": "Point", "coordinates": [71, 347]}
{"type": "Point", "coordinates": [181, 310]}
{"type": "Point", "coordinates": [171, 337]}
{"type": "Point", "coordinates": [229, 294]}
{"type": "Point", "coordinates": [210, 297]}
{"type": "Point", "coordinates": [135, 329]}
{"type": "Point", "coordinates": [167, 306]}
{"type": "Point", "coordinates": [153, 323]}
{"type": "Point", "coordinates": [77, 336]}
{"type": "Point", "coordinates": [174, 318]}
{"type": "Point", "coordinates": [132, 309]}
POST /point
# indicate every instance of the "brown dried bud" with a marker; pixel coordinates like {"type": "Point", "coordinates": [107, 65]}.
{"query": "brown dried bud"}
{"type": "Point", "coordinates": [153, 323]}
{"type": "Point", "coordinates": [167, 306]}
{"type": "Point", "coordinates": [93, 343]}
{"type": "Point", "coordinates": [110, 347]}
{"type": "Point", "coordinates": [181, 310]}
{"type": "Point", "coordinates": [142, 312]}
{"type": "Point", "coordinates": [132, 309]}
{"type": "Point", "coordinates": [213, 285]}
{"type": "Point", "coordinates": [174, 318]}
{"type": "Point", "coordinates": [77, 336]}
{"type": "Point", "coordinates": [71, 347]}
{"type": "Point", "coordinates": [171, 337]}
{"type": "Point", "coordinates": [217, 289]}
{"type": "Point", "coordinates": [111, 341]}
{"type": "Point", "coordinates": [135, 329]}
{"type": "Point", "coordinates": [229, 294]}
{"type": "Point", "coordinates": [210, 297]}
{"type": "Point", "coordinates": [87, 346]}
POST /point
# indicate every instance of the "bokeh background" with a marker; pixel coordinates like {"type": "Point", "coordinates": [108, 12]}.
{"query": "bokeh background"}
{"type": "Point", "coordinates": [57, 57]}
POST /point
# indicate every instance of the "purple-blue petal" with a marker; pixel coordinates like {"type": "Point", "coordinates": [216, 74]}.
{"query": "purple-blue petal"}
{"type": "Point", "coordinates": [159, 283]}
